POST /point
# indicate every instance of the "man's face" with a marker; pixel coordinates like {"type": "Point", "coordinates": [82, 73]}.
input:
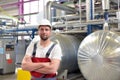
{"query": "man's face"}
{"type": "Point", "coordinates": [44, 32]}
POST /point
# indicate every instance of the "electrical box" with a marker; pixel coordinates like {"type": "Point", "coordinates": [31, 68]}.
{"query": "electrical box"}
{"type": "Point", "coordinates": [7, 55]}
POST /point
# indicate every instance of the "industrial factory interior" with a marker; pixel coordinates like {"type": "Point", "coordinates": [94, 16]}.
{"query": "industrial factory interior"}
{"type": "Point", "coordinates": [88, 32]}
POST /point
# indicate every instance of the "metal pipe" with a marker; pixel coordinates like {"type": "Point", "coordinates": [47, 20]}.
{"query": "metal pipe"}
{"type": "Point", "coordinates": [118, 5]}
{"type": "Point", "coordinates": [116, 1]}
{"type": "Point", "coordinates": [106, 4]}
{"type": "Point", "coordinates": [91, 9]}
{"type": "Point", "coordinates": [80, 10]}
{"type": "Point", "coordinates": [54, 4]}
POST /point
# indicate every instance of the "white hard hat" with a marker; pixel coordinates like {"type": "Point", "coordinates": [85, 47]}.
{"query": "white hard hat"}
{"type": "Point", "coordinates": [45, 22]}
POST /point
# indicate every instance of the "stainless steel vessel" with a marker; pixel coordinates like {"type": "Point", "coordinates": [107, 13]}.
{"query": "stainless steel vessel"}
{"type": "Point", "coordinates": [69, 45]}
{"type": "Point", "coordinates": [99, 56]}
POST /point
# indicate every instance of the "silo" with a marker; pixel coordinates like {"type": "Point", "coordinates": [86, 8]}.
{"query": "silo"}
{"type": "Point", "coordinates": [99, 56]}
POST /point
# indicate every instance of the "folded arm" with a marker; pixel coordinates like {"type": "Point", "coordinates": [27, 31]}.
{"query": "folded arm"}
{"type": "Point", "coordinates": [46, 68]}
{"type": "Point", "coordinates": [52, 67]}
{"type": "Point", "coordinates": [28, 65]}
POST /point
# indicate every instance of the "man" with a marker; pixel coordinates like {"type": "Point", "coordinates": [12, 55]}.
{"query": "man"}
{"type": "Point", "coordinates": [44, 63]}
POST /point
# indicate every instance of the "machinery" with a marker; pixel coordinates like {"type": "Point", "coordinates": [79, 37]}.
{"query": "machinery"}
{"type": "Point", "coordinates": [69, 45]}
{"type": "Point", "coordinates": [99, 56]}
{"type": "Point", "coordinates": [20, 49]}
{"type": "Point", "coordinates": [7, 55]}
{"type": "Point", "coordinates": [91, 57]}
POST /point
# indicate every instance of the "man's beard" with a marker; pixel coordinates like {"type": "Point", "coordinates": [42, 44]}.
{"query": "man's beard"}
{"type": "Point", "coordinates": [44, 38]}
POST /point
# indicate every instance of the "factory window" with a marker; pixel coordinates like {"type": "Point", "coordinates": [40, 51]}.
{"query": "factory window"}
{"type": "Point", "coordinates": [31, 7]}
{"type": "Point", "coordinates": [30, 10]}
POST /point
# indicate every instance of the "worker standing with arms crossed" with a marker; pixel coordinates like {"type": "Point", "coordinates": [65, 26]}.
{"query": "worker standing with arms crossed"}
{"type": "Point", "coordinates": [42, 57]}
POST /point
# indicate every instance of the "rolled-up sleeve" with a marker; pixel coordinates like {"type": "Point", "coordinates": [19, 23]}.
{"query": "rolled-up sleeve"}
{"type": "Point", "coordinates": [29, 49]}
{"type": "Point", "coordinates": [56, 52]}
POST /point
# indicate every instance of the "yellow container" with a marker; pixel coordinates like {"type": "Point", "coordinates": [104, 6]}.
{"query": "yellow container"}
{"type": "Point", "coordinates": [23, 75]}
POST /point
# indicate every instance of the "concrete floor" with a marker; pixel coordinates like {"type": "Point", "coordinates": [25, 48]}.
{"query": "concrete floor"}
{"type": "Point", "coordinates": [8, 77]}
{"type": "Point", "coordinates": [13, 76]}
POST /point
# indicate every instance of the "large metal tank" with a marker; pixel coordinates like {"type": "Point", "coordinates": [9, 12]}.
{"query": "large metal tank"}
{"type": "Point", "coordinates": [69, 45]}
{"type": "Point", "coordinates": [99, 56]}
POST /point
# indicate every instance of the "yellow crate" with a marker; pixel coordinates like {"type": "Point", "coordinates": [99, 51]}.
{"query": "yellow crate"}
{"type": "Point", "coordinates": [23, 75]}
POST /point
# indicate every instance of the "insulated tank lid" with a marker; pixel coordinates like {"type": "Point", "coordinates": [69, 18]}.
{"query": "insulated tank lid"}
{"type": "Point", "coordinates": [99, 56]}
